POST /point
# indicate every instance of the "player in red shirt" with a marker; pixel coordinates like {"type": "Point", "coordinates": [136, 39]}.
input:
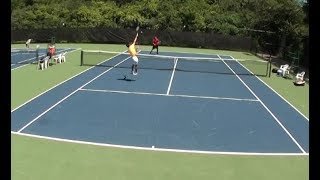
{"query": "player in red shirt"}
{"type": "Point", "coordinates": [51, 51]}
{"type": "Point", "coordinates": [155, 44]}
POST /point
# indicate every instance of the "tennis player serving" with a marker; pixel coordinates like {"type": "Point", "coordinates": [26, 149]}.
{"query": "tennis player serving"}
{"type": "Point", "coordinates": [133, 53]}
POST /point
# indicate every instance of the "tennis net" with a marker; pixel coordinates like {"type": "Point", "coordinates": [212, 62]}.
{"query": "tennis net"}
{"type": "Point", "coordinates": [204, 64]}
{"type": "Point", "coordinates": [24, 56]}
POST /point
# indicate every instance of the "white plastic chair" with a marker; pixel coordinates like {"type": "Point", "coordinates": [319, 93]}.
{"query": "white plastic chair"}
{"type": "Point", "coordinates": [284, 70]}
{"type": "Point", "coordinates": [300, 76]}
{"type": "Point", "coordinates": [63, 57]}
{"type": "Point", "coordinates": [46, 62]}
{"type": "Point", "coordinates": [287, 72]}
{"type": "Point", "coordinates": [42, 64]}
{"type": "Point", "coordinates": [58, 58]}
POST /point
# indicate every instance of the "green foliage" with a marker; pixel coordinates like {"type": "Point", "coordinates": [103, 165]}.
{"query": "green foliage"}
{"type": "Point", "coordinates": [224, 16]}
{"type": "Point", "coordinates": [86, 16]}
{"type": "Point", "coordinates": [107, 11]}
{"type": "Point", "coordinates": [168, 17]}
{"type": "Point", "coordinates": [283, 17]}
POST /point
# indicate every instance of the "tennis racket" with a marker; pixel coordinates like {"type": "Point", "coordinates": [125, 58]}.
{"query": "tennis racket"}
{"type": "Point", "coordinates": [137, 30]}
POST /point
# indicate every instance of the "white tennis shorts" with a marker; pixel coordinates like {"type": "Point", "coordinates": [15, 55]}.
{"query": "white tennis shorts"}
{"type": "Point", "coordinates": [135, 59]}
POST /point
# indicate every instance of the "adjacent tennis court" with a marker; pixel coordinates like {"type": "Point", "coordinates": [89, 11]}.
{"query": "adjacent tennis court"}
{"type": "Point", "coordinates": [185, 102]}
{"type": "Point", "coordinates": [21, 57]}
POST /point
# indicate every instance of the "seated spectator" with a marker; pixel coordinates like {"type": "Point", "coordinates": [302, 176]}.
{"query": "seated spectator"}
{"type": "Point", "coordinates": [51, 51]}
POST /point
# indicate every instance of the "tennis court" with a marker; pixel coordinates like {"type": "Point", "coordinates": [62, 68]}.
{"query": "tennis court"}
{"type": "Point", "coordinates": [22, 56]}
{"type": "Point", "coordinates": [210, 104]}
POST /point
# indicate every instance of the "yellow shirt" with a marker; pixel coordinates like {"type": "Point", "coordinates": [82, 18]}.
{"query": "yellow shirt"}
{"type": "Point", "coordinates": [132, 50]}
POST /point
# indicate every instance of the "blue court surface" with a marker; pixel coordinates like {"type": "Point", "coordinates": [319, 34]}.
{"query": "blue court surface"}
{"type": "Point", "coordinates": [22, 57]}
{"type": "Point", "coordinates": [168, 110]}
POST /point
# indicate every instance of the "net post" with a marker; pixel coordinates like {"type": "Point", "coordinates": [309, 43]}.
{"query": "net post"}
{"type": "Point", "coordinates": [37, 62]}
{"type": "Point", "coordinates": [37, 53]}
{"type": "Point", "coordinates": [81, 58]}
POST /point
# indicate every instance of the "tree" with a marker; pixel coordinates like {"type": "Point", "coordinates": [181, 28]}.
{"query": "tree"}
{"type": "Point", "coordinates": [29, 2]}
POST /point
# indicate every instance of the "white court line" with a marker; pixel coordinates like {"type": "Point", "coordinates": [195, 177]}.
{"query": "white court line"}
{"type": "Point", "coordinates": [275, 92]}
{"type": "Point", "coordinates": [293, 139]}
{"type": "Point", "coordinates": [22, 53]}
{"type": "Point", "coordinates": [35, 58]}
{"type": "Point", "coordinates": [15, 54]}
{"type": "Point", "coordinates": [61, 82]}
{"type": "Point", "coordinates": [159, 149]}
{"type": "Point", "coordinates": [170, 95]}
{"type": "Point", "coordinates": [71, 94]}
{"type": "Point", "coordinates": [174, 68]}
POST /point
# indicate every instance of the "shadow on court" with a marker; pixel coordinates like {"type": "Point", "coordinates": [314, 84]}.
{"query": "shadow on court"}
{"type": "Point", "coordinates": [126, 79]}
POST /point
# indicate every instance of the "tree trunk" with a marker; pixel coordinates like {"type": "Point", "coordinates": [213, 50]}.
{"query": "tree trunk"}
{"type": "Point", "coordinates": [282, 46]}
